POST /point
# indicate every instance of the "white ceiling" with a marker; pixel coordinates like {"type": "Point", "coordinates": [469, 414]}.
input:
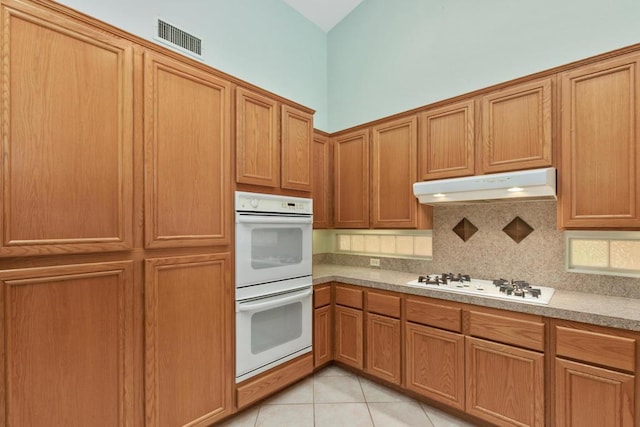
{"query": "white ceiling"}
{"type": "Point", "coordinates": [324, 13]}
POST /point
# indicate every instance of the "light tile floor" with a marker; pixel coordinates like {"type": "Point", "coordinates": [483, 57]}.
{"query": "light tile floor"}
{"type": "Point", "coordinates": [334, 397]}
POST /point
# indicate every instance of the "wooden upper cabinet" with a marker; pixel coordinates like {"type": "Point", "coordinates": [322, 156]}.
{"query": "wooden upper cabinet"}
{"type": "Point", "coordinates": [187, 155]}
{"type": "Point", "coordinates": [393, 172]}
{"type": "Point", "coordinates": [600, 151]}
{"type": "Point", "coordinates": [67, 131]}
{"type": "Point", "coordinates": [68, 345]}
{"type": "Point", "coordinates": [321, 181]}
{"type": "Point", "coordinates": [517, 127]}
{"type": "Point", "coordinates": [257, 144]}
{"type": "Point", "coordinates": [351, 180]}
{"type": "Point", "coordinates": [446, 141]}
{"type": "Point", "coordinates": [188, 340]}
{"type": "Point", "coordinates": [297, 149]}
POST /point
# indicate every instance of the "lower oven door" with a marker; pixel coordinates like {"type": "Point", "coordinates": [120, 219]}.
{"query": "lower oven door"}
{"type": "Point", "coordinates": [272, 330]}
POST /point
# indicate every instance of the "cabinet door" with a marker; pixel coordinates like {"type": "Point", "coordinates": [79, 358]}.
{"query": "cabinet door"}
{"type": "Point", "coordinates": [67, 131]}
{"type": "Point", "coordinates": [348, 336]}
{"type": "Point", "coordinates": [351, 180]}
{"type": "Point", "coordinates": [505, 385]}
{"type": "Point", "coordinates": [516, 127]}
{"type": "Point", "coordinates": [257, 145]}
{"type": "Point", "coordinates": [188, 342]}
{"type": "Point", "coordinates": [67, 341]}
{"type": "Point", "coordinates": [600, 152]}
{"type": "Point", "coordinates": [321, 181]}
{"type": "Point", "coordinates": [187, 146]}
{"type": "Point", "coordinates": [383, 348]}
{"type": "Point", "coordinates": [297, 150]}
{"type": "Point", "coordinates": [446, 142]}
{"type": "Point", "coordinates": [393, 172]}
{"type": "Point", "coordinates": [434, 364]}
{"type": "Point", "coordinates": [322, 333]}
{"type": "Point", "coordinates": [587, 396]}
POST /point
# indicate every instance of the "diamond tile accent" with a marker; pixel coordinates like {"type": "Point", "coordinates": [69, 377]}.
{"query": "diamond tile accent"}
{"type": "Point", "coordinates": [518, 229]}
{"type": "Point", "coordinates": [465, 229]}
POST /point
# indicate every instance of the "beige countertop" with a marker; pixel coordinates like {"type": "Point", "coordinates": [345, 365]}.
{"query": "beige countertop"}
{"type": "Point", "coordinates": [616, 312]}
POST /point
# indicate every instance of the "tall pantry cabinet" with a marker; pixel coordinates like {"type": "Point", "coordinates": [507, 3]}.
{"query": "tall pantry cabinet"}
{"type": "Point", "coordinates": [115, 243]}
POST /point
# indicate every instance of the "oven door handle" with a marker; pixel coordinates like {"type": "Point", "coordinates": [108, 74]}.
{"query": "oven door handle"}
{"type": "Point", "coordinates": [250, 219]}
{"type": "Point", "coordinates": [274, 303]}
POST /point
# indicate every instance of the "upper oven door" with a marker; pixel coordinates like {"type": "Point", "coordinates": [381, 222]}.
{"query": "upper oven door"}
{"type": "Point", "coordinates": [272, 247]}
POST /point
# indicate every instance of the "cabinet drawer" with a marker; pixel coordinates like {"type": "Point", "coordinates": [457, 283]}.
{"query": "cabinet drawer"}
{"type": "Point", "coordinates": [508, 330]}
{"type": "Point", "coordinates": [321, 296]}
{"type": "Point", "coordinates": [594, 347]}
{"type": "Point", "coordinates": [436, 315]}
{"type": "Point", "coordinates": [386, 304]}
{"type": "Point", "coordinates": [349, 297]}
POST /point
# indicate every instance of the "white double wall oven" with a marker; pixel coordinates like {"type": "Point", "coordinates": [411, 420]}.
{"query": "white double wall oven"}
{"type": "Point", "coordinates": [274, 289]}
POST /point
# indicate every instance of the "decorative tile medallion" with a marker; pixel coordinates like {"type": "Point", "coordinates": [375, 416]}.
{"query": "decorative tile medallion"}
{"type": "Point", "coordinates": [465, 229]}
{"type": "Point", "coordinates": [518, 229]}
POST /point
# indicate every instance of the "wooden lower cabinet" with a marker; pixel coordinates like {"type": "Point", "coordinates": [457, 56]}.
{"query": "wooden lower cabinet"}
{"type": "Point", "coordinates": [434, 364]}
{"type": "Point", "coordinates": [348, 324]}
{"type": "Point", "coordinates": [188, 340]}
{"type": "Point", "coordinates": [504, 384]}
{"type": "Point", "coordinates": [68, 346]}
{"type": "Point", "coordinates": [588, 396]}
{"type": "Point", "coordinates": [322, 336]}
{"type": "Point", "coordinates": [383, 348]}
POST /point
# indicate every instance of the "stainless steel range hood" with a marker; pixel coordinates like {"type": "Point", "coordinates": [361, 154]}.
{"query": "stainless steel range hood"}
{"type": "Point", "coordinates": [529, 184]}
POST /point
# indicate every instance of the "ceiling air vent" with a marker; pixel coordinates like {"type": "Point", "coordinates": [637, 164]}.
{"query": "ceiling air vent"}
{"type": "Point", "coordinates": [179, 38]}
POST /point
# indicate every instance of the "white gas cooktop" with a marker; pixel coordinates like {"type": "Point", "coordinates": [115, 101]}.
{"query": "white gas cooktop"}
{"type": "Point", "coordinates": [512, 291]}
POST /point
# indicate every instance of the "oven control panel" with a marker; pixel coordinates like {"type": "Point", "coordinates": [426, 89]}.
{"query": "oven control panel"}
{"type": "Point", "coordinates": [270, 203]}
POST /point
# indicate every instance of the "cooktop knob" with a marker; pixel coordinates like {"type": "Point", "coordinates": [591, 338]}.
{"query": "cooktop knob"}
{"type": "Point", "coordinates": [253, 203]}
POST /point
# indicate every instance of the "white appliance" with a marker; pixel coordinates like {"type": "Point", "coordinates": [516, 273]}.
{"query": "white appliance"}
{"type": "Point", "coordinates": [527, 184]}
{"type": "Point", "coordinates": [518, 291]}
{"type": "Point", "coordinates": [273, 281]}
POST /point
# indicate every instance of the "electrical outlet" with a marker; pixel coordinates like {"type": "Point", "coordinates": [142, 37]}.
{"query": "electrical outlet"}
{"type": "Point", "coordinates": [374, 262]}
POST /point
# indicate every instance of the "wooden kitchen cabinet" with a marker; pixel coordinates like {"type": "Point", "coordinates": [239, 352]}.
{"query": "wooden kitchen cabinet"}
{"type": "Point", "coordinates": [68, 345]}
{"type": "Point", "coordinates": [504, 384]}
{"type": "Point", "coordinates": [297, 149]}
{"type": "Point", "coordinates": [446, 143]}
{"type": "Point", "coordinates": [505, 367]}
{"type": "Point", "coordinates": [348, 336]}
{"type": "Point", "coordinates": [188, 339]}
{"type": "Point", "coordinates": [393, 172]}
{"type": "Point", "coordinates": [187, 155]}
{"type": "Point", "coordinates": [67, 130]}
{"type": "Point", "coordinates": [383, 335]}
{"type": "Point", "coordinates": [351, 180]}
{"type": "Point", "coordinates": [273, 143]}
{"type": "Point", "coordinates": [517, 130]}
{"type": "Point", "coordinates": [322, 180]}
{"type": "Point", "coordinates": [600, 148]}
{"type": "Point", "coordinates": [257, 144]}
{"type": "Point", "coordinates": [373, 180]}
{"type": "Point", "coordinates": [322, 326]}
{"type": "Point", "coordinates": [434, 364]}
{"type": "Point", "coordinates": [434, 350]}
{"type": "Point", "coordinates": [590, 396]}
{"type": "Point", "coordinates": [348, 324]}
{"type": "Point", "coordinates": [384, 346]}
{"type": "Point", "coordinates": [594, 375]}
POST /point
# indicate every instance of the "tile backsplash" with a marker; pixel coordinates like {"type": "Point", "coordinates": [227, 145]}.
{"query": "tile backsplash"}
{"type": "Point", "coordinates": [539, 258]}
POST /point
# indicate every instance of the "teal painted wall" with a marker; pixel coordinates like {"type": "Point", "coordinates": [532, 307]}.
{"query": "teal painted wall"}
{"type": "Point", "coordinates": [264, 42]}
{"type": "Point", "coordinates": [392, 56]}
